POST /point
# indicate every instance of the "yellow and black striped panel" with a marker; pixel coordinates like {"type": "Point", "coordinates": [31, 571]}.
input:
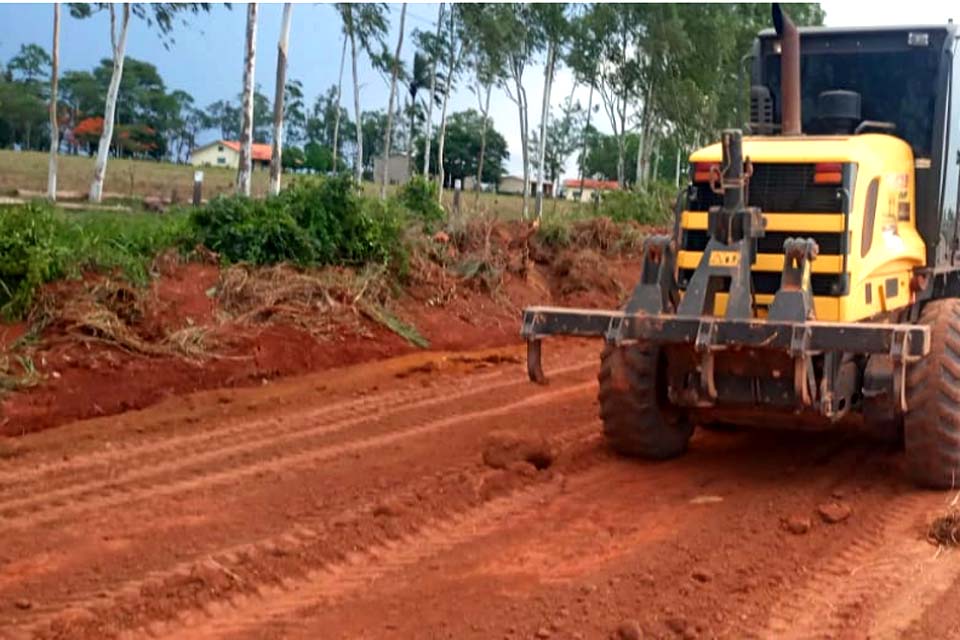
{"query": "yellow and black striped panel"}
{"type": "Point", "coordinates": [828, 278]}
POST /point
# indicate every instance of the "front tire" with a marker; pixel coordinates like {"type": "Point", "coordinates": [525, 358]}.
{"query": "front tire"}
{"type": "Point", "coordinates": [932, 423]}
{"type": "Point", "coordinates": [632, 404]}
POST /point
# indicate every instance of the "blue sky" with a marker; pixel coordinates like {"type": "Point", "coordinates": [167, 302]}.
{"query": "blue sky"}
{"type": "Point", "coordinates": [207, 58]}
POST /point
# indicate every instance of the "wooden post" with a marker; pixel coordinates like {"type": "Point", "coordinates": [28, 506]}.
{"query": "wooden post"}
{"type": "Point", "coordinates": [457, 187]}
{"type": "Point", "coordinates": [197, 188]}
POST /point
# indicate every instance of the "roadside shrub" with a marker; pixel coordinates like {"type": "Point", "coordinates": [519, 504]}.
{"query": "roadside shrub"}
{"type": "Point", "coordinates": [556, 231]}
{"type": "Point", "coordinates": [127, 242]}
{"type": "Point", "coordinates": [345, 227]}
{"type": "Point", "coordinates": [420, 197]}
{"type": "Point", "coordinates": [29, 255]}
{"type": "Point", "coordinates": [254, 231]}
{"type": "Point", "coordinates": [316, 221]}
{"type": "Point", "coordinates": [652, 205]}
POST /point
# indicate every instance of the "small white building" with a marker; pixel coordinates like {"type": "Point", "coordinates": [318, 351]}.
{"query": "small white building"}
{"type": "Point", "coordinates": [226, 153]}
{"type": "Point", "coordinates": [514, 185]}
{"type": "Point", "coordinates": [399, 169]}
{"type": "Point", "coordinates": [591, 188]}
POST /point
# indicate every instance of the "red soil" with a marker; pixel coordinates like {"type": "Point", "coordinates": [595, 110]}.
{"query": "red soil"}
{"type": "Point", "coordinates": [84, 380]}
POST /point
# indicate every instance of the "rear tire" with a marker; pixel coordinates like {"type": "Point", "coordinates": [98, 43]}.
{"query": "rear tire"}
{"type": "Point", "coordinates": [932, 423]}
{"type": "Point", "coordinates": [632, 401]}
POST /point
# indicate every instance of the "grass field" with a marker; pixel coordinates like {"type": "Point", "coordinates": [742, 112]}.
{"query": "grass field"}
{"type": "Point", "coordinates": [140, 179]}
{"type": "Point", "coordinates": [125, 178]}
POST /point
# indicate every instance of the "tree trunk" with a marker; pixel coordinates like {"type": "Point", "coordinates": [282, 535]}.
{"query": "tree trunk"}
{"type": "Point", "coordinates": [54, 124]}
{"type": "Point", "coordinates": [393, 92]}
{"type": "Point", "coordinates": [109, 110]}
{"type": "Point", "coordinates": [622, 159]}
{"type": "Point", "coordinates": [655, 165]}
{"type": "Point", "coordinates": [544, 116]}
{"type": "Point", "coordinates": [524, 143]}
{"type": "Point", "coordinates": [276, 154]}
{"type": "Point", "coordinates": [484, 111]}
{"type": "Point", "coordinates": [676, 175]}
{"type": "Point", "coordinates": [586, 127]}
{"type": "Point", "coordinates": [433, 95]}
{"type": "Point", "coordinates": [451, 67]}
{"type": "Point", "coordinates": [246, 133]}
{"type": "Point", "coordinates": [358, 158]}
{"type": "Point", "coordinates": [412, 106]}
{"type": "Point", "coordinates": [336, 118]}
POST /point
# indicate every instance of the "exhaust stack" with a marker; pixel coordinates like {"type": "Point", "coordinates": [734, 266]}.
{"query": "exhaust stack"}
{"type": "Point", "coordinates": [789, 71]}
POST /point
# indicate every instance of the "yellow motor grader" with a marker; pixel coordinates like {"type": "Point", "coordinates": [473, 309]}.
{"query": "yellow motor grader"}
{"type": "Point", "coordinates": [812, 276]}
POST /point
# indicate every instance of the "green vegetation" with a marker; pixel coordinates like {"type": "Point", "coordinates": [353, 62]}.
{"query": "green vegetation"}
{"type": "Point", "coordinates": [39, 244]}
{"type": "Point", "coordinates": [420, 197]}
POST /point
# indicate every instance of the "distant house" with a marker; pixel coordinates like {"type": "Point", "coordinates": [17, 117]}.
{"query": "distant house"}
{"type": "Point", "coordinates": [399, 169]}
{"type": "Point", "coordinates": [226, 153]}
{"type": "Point", "coordinates": [514, 185]}
{"type": "Point", "coordinates": [591, 188]}
{"type": "Point", "coordinates": [470, 183]}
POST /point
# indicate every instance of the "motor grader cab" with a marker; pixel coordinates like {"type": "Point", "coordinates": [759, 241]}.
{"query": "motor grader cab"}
{"type": "Point", "coordinates": [811, 278]}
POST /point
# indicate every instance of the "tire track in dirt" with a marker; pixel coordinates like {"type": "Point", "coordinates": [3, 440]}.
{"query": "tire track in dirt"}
{"type": "Point", "coordinates": [573, 443]}
{"type": "Point", "coordinates": [358, 570]}
{"type": "Point", "coordinates": [243, 431]}
{"type": "Point", "coordinates": [143, 483]}
{"type": "Point", "coordinates": [926, 574]}
{"type": "Point", "coordinates": [874, 569]}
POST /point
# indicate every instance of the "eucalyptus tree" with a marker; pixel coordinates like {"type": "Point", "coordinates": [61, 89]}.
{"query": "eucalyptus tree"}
{"type": "Point", "coordinates": [395, 71]}
{"type": "Point", "coordinates": [431, 44]}
{"type": "Point", "coordinates": [521, 40]}
{"type": "Point", "coordinates": [453, 53]}
{"type": "Point", "coordinates": [618, 73]}
{"type": "Point", "coordinates": [554, 27]}
{"type": "Point", "coordinates": [486, 58]}
{"type": "Point", "coordinates": [276, 159]}
{"type": "Point", "coordinates": [246, 129]}
{"type": "Point", "coordinates": [336, 121]}
{"type": "Point", "coordinates": [54, 122]}
{"type": "Point", "coordinates": [365, 26]}
{"type": "Point", "coordinates": [583, 59]}
{"type": "Point", "coordinates": [159, 14]}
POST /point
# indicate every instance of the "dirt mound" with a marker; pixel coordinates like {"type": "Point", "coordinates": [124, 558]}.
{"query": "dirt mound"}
{"type": "Point", "coordinates": [104, 346]}
{"type": "Point", "coordinates": [109, 311]}
{"type": "Point", "coordinates": [584, 270]}
{"type": "Point", "coordinates": [503, 449]}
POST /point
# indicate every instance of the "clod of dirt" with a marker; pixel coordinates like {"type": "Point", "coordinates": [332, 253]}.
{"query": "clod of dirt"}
{"type": "Point", "coordinates": [945, 530]}
{"type": "Point", "coordinates": [677, 624]}
{"type": "Point", "coordinates": [702, 576]}
{"type": "Point", "coordinates": [502, 448]}
{"type": "Point", "coordinates": [522, 468]}
{"type": "Point", "coordinates": [543, 632]}
{"type": "Point", "coordinates": [384, 510]}
{"type": "Point", "coordinates": [797, 525]}
{"type": "Point", "coordinates": [834, 512]}
{"type": "Point", "coordinates": [23, 604]}
{"type": "Point", "coordinates": [629, 630]}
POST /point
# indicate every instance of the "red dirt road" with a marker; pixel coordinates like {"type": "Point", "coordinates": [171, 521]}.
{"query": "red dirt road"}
{"type": "Point", "coordinates": [356, 503]}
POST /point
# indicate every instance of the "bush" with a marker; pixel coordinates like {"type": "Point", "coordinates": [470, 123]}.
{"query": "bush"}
{"type": "Point", "coordinates": [39, 244]}
{"type": "Point", "coordinates": [29, 255]}
{"type": "Point", "coordinates": [652, 205]}
{"type": "Point", "coordinates": [122, 241]}
{"type": "Point", "coordinates": [421, 198]}
{"type": "Point", "coordinates": [254, 231]}
{"type": "Point", "coordinates": [315, 221]}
